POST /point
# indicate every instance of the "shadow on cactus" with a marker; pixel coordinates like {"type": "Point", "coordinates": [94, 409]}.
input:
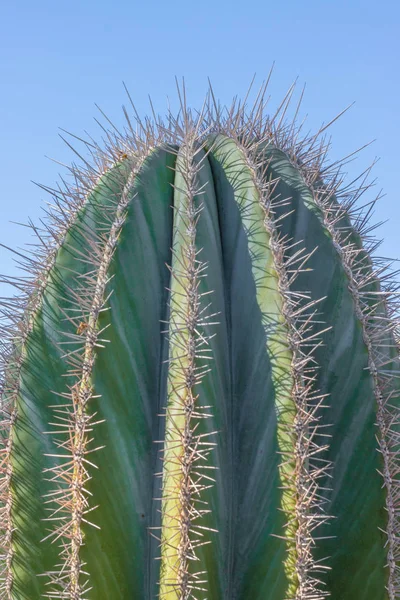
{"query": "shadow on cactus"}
{"type": "Point", "coordinates": [200, 392]}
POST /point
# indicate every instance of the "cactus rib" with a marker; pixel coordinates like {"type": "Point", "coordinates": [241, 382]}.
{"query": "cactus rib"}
{"type": "Point", "coordinates": [185, 449]}
{"type": "Point", "coordinates": [67, 204]}
{"type": "Point", "coordinates": [74, 499]}
{"type": "Point", "coordinates": [362, 279]}
{"type": "Point", "coordinates": [9, 412]}
{"type": "Point", "coordinates": [374, 304]}
{"type": "Point", "coordinates": [139, 390]}
{"type": "Point", "coordinates": [307, 514]}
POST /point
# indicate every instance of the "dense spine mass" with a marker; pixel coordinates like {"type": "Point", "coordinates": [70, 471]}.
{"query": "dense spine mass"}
{"type": "Point", "coordinates": [210, 286]}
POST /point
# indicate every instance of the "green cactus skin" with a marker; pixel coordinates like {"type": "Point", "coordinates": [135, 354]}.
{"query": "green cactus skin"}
{"type": "Point", "coordinates": [200, 387]}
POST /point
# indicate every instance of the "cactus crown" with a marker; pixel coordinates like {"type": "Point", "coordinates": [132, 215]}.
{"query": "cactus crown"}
{"type": "Point", "coordinates": [204, 304]}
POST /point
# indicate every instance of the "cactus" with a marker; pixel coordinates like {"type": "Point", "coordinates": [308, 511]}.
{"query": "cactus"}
{"type": "Point", "coordinates": [200, 389]}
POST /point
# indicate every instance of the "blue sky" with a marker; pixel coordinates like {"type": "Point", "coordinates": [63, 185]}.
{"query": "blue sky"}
{"type": "Point", "coordinates": [58, 58]}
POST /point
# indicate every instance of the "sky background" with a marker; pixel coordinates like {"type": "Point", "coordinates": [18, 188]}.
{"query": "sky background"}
{"type": "Point", "coordinates": [58, 58]}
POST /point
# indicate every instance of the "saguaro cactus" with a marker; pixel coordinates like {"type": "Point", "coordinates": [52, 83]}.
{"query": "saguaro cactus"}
{"type": "Point", "coordinates": [200, 390]}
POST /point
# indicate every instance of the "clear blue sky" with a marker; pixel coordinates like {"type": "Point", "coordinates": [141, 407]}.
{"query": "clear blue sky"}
{"type": "Point", "coordinates": [58, 58]}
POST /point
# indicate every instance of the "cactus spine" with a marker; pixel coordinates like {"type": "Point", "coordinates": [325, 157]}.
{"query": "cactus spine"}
{"type": "Point", "coordinates": [209, 285]}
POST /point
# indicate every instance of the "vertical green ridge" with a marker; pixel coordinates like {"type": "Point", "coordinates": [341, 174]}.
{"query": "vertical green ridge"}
{"type": "Point", "coordinates": [130, 379]}
{"type": "Point", "coordinates": [187, 467]}
{"type": "Point", "coordinates": [43, 373]}
{"type": "Point", "coordinates": [353, 544]}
